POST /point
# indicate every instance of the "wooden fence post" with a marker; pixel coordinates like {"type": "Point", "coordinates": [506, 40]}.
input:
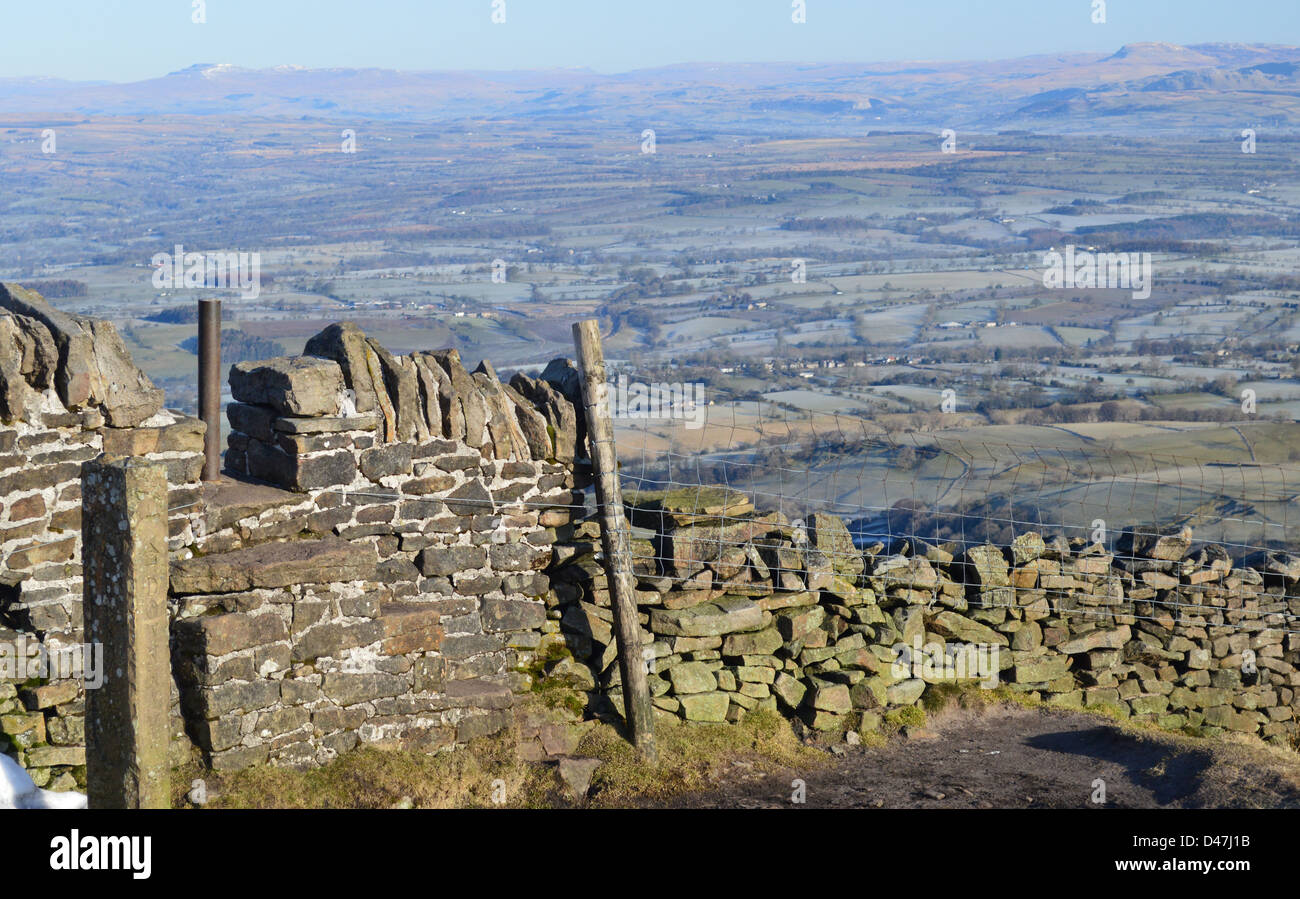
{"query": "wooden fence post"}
{"type": "Point", "coordinates": [125, 569]}
{"type": "Point", "coordinates": [615, 538]}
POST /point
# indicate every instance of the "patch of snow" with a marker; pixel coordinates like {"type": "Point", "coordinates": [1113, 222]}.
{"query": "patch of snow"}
{"type": "Point", "coordinates": [18, 790]}
{"type": "Point", "coordinates": [160, 419]}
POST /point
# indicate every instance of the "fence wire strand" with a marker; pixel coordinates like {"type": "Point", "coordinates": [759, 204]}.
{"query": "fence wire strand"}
{"type": "Point", "coordinates": [942, 492]}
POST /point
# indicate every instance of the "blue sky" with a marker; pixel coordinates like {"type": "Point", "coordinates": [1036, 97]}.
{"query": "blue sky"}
{"type": "Point", "coordinates": [127, 40]}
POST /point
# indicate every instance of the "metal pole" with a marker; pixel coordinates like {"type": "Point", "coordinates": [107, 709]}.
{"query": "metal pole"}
{"type": "Point", "coordinates": [210, 385]}
{"type": "Point", "coordinates": [615, 539]}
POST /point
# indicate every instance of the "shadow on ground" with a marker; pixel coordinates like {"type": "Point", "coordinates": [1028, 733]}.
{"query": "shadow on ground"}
{"type": "Point", "coordinates": [1010, 757]}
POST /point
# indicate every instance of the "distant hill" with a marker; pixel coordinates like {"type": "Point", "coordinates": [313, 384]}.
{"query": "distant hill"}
{"type": "Point", "coordinates": [1215, 84]}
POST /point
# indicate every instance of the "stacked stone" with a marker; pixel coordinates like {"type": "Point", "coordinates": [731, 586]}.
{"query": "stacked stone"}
{"type": "Point", "coordinates": [350, 412]}
{"type": "Point", "coordinates": [393, 595]}
{"type": "Point", "coordinates": [744, 611]}
{"type": "Point", "coordinates": [68, 392]}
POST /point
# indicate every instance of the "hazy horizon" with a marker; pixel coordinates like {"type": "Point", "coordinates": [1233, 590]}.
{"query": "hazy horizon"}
{"type": "Point", "coordinates": [685, 64]}
{"type": "Point", "coordinates": [109, 42]}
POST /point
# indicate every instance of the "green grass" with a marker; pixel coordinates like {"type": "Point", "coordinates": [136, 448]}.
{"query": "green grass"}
{"type": "Point", "coordinates": [475, 775]}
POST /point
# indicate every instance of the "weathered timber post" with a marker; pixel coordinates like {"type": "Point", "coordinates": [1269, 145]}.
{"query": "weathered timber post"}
{"type": "Point", "coordinates": [124, 558]}
{"type": "Point", "coordinates": [615, 538]}
{"type": "Point", "coordinates": [210, 385]}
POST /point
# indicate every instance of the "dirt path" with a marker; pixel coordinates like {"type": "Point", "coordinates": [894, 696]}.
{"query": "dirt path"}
{"type": "Point", "coordinates": [1009, 757]}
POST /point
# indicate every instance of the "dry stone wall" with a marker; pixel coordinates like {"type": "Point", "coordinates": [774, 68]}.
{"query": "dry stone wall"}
{"type": "Point", "coordinates": [402, 545]}
{"type": "Point", "coordinates": [745, 611]}
{"type": "Point", "coordinates": [69, 392]}
{"type": "Point", "coordinates": [392, 587]}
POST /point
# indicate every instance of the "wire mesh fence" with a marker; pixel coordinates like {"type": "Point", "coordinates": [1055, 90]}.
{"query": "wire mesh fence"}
{"type": "Point", "coordinates": [1158, 533]}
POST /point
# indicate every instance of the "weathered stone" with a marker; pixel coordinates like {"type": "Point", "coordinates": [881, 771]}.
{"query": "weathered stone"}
{"type": "Point", "coordinates": [789, 690]}
{"type": "Point", "coordinates": [346, 344]}
{"type": "Point", "coordinates": [255, 421]}
{"type": "Point", "coordinates": [727, 615]}
{"type": "Point", "coordinates": [512, 615]}
{"type": "Point", "coordinates": [326, 424]}
{"type": "Point", "coordinates": [688, 548]}
{"type": "Point", "coordinates": [464, 392]}
{"type": "Point", "coordinates": [914, 573]}
{"type": "Point", "coordinates": [302, 386]}
{"type": "Point", "coordinates": [94, 367]}
{"type": "Point", "coordinates": [831, 698]}
{"type": "Point", "coordinates": [532, 424]}
{"type": "Point", "coordinates": [986, 567]}
{"type": "Point", "coordinates": [124, 392]}
{"type": "Point", "coordinates": [271, 565]}
{"type": "Point", "coordinates": [565, 425]}
{"type": "Point", "coordinates": [1041, 669]}
{"type": "Point", "coordinates": [217, 635]}
{"type": "Point", "coordinates": [950, 624]}
{"type": "Point", "coordinates": [471, 498]}
{"type": "Point", "coordinates": [707, 707]}
{"type": "Point", "coordinates": [830, 535]}
{"type": "Point", "coordinates": [125, 604]}
{"type": "Point", "coordinates": [49, 695]}
{"type": "Point", "coordinates": [1027, 547]}
{"type": "Point", "coordinates": [28, 362]}
{"type": "Point", "coordinates": [442, 561]}
{"type": "Point", "coordinates": [302, 473]}
{"type": "Point", "coordinates": [905, 692]}
{"type": "Point", "coordinates": [410, 627]}
{"type": "Point", "coordinates": [508, 440]}
{"type": "Point", "coordinates": [387, 460]}
{"type": "Point", "coordinates": [757, 643]}
{"type": "Point", "coordinates": [576, 775]}
{"type": "Point", "coordinates": [518, 557]}
{"type": "Point", "coordinates": [870, 693]}
{"type": "Point", "coordinates": [48, 756]}
{"type": "Point", "coordinates": [797, 623]}
{"type": "Point", "coordinates": [1154, 543]}
{"type": "Point", "coordinates": [350, 689]}
{"type": "Point", "coordinates": [1098, 639]}
{"type": "Point", "coordinates": [692, 677]}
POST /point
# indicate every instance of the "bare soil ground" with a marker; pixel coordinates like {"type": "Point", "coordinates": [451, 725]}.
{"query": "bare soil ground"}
{"type": "Point", "coordinates": [1012, 757]}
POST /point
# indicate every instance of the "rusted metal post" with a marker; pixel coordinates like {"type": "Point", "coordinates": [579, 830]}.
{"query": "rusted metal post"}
{"type": "Point", "coordinates": [210, 385]}
{"type": "Point", "coordinates": [615, 539]}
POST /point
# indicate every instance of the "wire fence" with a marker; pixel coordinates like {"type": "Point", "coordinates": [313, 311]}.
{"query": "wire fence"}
{"type": "Point", "coordinates": [1160, 531]}
{"type": "Point", "coordinates": [947, 486]}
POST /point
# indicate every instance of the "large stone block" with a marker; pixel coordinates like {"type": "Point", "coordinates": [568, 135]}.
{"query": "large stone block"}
{"type": "Point", "coordinates": [986, 566]}
{"type": "Point", "coordinates": [273, 465]}
{"type": "Point", "coordinates": [410, 627]}
{"type": "Point", "coordinates": [302, 386]}
{"type": "Point", "coordinates": [218, 635]}
{"type": "Point", "coordinates": [1098, 639]}
{"type": "Point", "coordinates": [350, 689]}
{"type": "Point", "coordinates": [1165, 545]}
{"type": "Point", "coordinates": [692, 677]}
{"type": "Point", "coordinates": [830, 535]}
{"type": "Point", "coordinates": [512, 615]}
{"type": "Point", "coordinates": [387, 460]}
{"type": "Point", "coordinates": [707, 707]}
{"type": "Point", "coordinates": [271, 565]}
{"type": "Point", "coordinates": [443, 561]}
{"type": "Point", "coordinates": [727, 615]}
